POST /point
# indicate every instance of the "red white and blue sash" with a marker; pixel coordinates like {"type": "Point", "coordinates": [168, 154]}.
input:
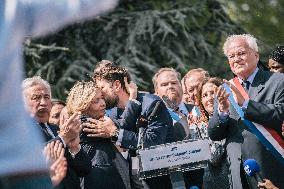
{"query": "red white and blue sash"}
{"type": "Point", "coordinates": [267, 136]}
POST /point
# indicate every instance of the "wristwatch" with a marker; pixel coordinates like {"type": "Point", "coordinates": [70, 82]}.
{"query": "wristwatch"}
{"type": "Point", "coordinates": [114, 135]}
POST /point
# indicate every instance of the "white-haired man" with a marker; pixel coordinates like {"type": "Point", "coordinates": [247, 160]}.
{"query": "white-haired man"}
{"type": "Point", "coordinates": [37, 98]}
{"type": "Point", "coordinates": [262, 100]}
{"type": "Point", "coordinates": [19, 19]}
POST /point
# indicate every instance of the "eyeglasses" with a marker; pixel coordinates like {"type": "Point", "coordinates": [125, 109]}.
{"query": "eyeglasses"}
{"type": "Point", "coordinates": [240, 54]}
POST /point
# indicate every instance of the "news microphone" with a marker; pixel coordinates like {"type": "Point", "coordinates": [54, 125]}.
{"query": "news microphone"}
{"type": "Point", "coordinates": [252, 169]}
{"type": "Point", "coordinates": [193, 187]}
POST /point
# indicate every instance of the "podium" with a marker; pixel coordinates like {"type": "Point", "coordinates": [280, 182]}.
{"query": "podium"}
{"type": "Point", "coordinates": [173, 159]}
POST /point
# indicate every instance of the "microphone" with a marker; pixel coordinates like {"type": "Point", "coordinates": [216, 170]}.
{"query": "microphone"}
{"type": "Point", "coordinates": [193, 187]}
{"type": "Point", "coordinates": [142, 124]}
{"type": "Point", "coordinates": [154, 111]}
{"type": "Point", "coordinates": [252, 169]}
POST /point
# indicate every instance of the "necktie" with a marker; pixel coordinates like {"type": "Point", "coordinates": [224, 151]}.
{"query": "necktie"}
{"type": "Point", "coordinates": [47, 130]}
{"type": "Point", "coordinates": [246, 85]}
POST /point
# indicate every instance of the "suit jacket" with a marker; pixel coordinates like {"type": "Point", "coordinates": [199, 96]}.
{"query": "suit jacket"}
{"type": "Point", "coordinates": [109, 168]}
{"type": "Point", "coordinates": [266, 107]}
{"type": "Point", "coordinates": [78, 166]}
{"type": "Point", "coordinates": [159, 128]}
{"type": "Point", "coordinates": [178, 129]}
{"type": "Point", "coordinates": [159, 131]}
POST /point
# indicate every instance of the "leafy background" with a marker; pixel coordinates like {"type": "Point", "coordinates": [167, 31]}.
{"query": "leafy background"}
{"type": "Point", "coordinates": [145, 35]}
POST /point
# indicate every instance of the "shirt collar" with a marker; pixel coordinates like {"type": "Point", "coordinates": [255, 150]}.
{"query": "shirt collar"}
{"type": "Point", "coordinates": [251, 77]}
{"type": "Point", "coordinates": [183, 108]}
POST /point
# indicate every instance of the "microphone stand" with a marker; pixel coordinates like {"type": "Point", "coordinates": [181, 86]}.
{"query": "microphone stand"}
{"type": "Point", "coordinates": [177, 179]}
{"type": "Point", "coordinates": [142, 125]}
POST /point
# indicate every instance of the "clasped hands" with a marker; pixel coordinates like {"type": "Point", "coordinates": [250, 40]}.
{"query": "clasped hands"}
{"type": "Point", "coordinates": [103, 128]}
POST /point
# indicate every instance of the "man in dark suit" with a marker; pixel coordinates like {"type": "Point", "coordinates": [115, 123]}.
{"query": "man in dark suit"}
{"type": "Point", "coordinates": [37, 98]}
{"type": "Point", "coordinates": [167, 86]}
{"type": "Point", "coordinates": [128, 110]}
{"type": "Point", "coordinates": [265, 106]}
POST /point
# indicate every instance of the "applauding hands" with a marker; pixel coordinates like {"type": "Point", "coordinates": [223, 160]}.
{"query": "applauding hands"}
{"type": "Point", "coordinates": [222, 97]}
{"type": "Point", "coordinates": [54, 153]}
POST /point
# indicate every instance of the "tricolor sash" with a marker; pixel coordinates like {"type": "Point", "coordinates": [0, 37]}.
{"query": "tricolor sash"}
{"type": "Point", "coordinates": [267, 136]}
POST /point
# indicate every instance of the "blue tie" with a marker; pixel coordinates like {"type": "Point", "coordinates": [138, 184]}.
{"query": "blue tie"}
{"type": "Point", "coordinates": [246, 85]}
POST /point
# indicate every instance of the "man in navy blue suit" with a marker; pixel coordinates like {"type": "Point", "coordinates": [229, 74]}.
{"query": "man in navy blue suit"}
{"type": "Point", "coordinates": [126, 110]}
{"type": "Point", "coordinates": [168, 86]}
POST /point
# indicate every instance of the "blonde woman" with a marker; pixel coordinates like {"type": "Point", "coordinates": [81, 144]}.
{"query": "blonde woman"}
{"type": "Point", "coordinates": [108, 166]}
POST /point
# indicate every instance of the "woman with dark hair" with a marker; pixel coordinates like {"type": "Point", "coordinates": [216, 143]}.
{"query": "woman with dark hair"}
{"type": "Point", "coordinates": [108, 165]}
{"type": "Point", "coordinates": [216, 174]}
{"type": "Point", "coordinates": [276, 60]}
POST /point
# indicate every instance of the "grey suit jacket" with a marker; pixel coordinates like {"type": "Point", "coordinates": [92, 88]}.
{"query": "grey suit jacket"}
{"type": "Point", "coordinates": [266, 107]}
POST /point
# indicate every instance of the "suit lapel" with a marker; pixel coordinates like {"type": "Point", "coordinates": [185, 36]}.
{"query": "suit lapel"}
{"type": "Point", "coordinates": [258, 84]}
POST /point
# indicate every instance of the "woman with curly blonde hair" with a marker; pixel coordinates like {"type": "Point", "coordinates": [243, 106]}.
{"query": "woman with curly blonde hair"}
{"type": "Point", "coordinates": [86, 98]}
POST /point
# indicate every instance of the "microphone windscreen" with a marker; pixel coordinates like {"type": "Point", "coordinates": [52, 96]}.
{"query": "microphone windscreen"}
{"type": "Point", "coordinates": [193, 187]}
{"type": "Point", "coordinates": [251, 167]}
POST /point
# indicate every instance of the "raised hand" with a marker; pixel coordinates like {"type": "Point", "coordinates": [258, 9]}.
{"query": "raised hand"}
{"type": "Point", "coordinates": [71, 128]}
{"type": "Point", "coordinates": [63, 116]}
{"type": "Point", "coordinates": [103, 128]}
{"type": "Point", "coordinates": [131, 89]}
{"type": "Point", "coordinates": [223, 101]}
{"type": "Point", "coordinates": [53, 151]}
{"type": "Point", "coordinates": [267, 184]}
{"type": "Point", "coordinates": [236, 93]}
{"type": "Point", "coordinates": [58, 170]}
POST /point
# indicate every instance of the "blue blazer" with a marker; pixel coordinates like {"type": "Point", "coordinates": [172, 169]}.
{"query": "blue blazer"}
{"type": "Point", "coordinates": [159, 128]}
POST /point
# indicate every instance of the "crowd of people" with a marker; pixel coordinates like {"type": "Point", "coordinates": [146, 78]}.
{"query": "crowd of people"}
{"type": "Point", "coordinates": [92, 140]}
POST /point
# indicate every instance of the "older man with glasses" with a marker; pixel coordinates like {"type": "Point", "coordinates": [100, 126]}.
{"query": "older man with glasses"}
{"type": "Point", "coordinates": [260, 95]}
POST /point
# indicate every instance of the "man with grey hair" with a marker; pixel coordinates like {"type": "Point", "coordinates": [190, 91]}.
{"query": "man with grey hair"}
{"type": "Point", "coordinates": [191, 81]}
{"type": "Point", "coordinates": [19, 19]}
{"type": "Point", "coordinates": [260, 95]}
{"type": "Point", "coordinates": [37, 99]}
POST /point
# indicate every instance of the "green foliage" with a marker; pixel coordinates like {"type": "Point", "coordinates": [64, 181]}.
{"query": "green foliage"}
{"type": "Point", "coordinates": [142, 35]}
{"type": "Point", "coordinates": [262, 18]}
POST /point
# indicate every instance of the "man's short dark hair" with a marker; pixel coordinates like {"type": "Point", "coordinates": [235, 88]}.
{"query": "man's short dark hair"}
{"type": "Point", "coordinates": [111, 72]}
